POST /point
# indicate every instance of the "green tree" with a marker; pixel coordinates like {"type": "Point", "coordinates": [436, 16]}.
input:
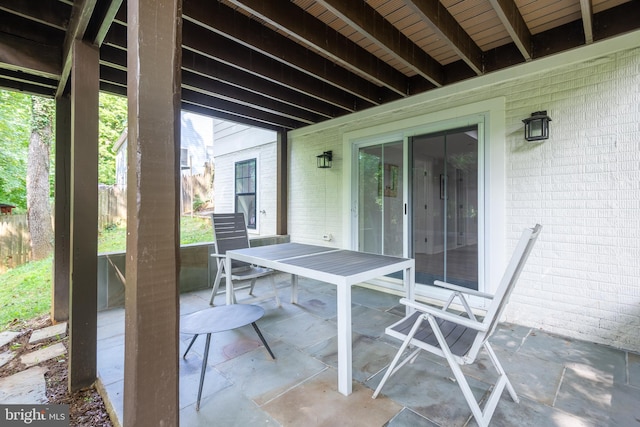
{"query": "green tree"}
{"type": "Point", "coordinates": [15, 128]}
{"type": "Point", "coordinates": [113, 120]}
{"type": "Point", "coordinates": [38, 186]}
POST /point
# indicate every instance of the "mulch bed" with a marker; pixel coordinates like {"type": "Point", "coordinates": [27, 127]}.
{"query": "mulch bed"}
{"type": "Point", "coordinates": [86, 407]}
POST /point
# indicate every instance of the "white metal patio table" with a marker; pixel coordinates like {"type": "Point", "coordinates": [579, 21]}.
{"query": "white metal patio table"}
{"type": "Point", "coordinates": [342, 268]}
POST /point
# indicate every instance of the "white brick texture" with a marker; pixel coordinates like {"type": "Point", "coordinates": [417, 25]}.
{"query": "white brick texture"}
{"type": "Point", "coordinates": [582, 184]}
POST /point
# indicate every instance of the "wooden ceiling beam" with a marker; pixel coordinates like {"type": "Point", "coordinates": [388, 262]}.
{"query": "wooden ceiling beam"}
{"type": "Point", "coordinates": [27, 78]}
{"type": "Point", "coordinates": [218, 58]}
{"type": "Point", "coordinates": [313, 35]}
{"type": "Point", "coordinates": [365, 19]}
{"type": "Point", "coordinates": [249, 33]}
{"type": "Point", "coordinates": [445, 25]}
{"type": "Point", "coordinates": [212, 69]}
{"type": "Point", "coordinates": [199, 109]}
{"type": "Point", "coordinates": [586, 9]}
{"type": "Point", "coordinates": [236, 95]}
{"type": "Point", "coordinates": [29, 30]}
{"type": "Point", "coordinates": [103, 18]}
{"type": "Point", "coordinates": [231, 108]}
{"type": "Point", "coordinates": [512, 20]}
{"type": "Point", "coordinates": [335, 86]}
{"type": "Point", "coordinates": [52, 13]}
{"type": "Point", "coordinates": [80, 17]}
{"type": "Point", "coordinates": [25, 87]}
{"type": "Point", "coordinates": [18, 54]}
{"type": "Point", "coordinates": [224, 97]}
{"type": "Point", "coordinates": [617, 20]}
{"type": "Point", "coordinates": [113, 88]}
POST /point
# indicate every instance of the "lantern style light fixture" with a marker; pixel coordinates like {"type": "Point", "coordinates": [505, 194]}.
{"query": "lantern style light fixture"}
{"type": "Point", "coordinates": [324, 160]}
{"type": "Point", "coordinates": [536, 127]}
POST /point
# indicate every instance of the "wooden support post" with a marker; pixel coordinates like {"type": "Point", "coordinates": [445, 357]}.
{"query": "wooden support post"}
{"type": "Point", "coordinates": [84, 215]}
{"type": "Point", "coordinates": [282, 183]}
{"type": "Point", "coordinates": [151, 370]}
{"type": "Point", "coordinates": [61, 277]}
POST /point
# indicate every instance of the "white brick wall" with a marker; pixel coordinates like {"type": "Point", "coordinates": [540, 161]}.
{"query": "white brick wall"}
{"type": "Point", "coordinates": [315, 195]}
{"type": "Point", "coordinates": [583, 185]}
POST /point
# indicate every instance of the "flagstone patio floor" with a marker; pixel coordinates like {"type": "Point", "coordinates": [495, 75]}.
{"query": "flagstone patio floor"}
{"type": "Point", "coordinates": [560, 381]}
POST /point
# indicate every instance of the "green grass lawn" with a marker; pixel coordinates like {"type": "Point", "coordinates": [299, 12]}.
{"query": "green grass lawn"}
{"type": "Point", "coordinates": [25, 291]}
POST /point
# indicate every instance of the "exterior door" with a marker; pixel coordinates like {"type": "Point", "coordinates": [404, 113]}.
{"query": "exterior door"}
{"type": "Point", "coordinates": [380, 199]}
{"type": "Point", "coordinates": [444, 207]}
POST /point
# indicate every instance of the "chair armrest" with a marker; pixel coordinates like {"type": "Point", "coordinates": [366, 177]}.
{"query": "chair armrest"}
{"type": "Point", "coordinates": [219, 255]}
{"type": "Point", "coordinates": [445, 315]}
{"type": "Point", "coordinates": [462, 289]}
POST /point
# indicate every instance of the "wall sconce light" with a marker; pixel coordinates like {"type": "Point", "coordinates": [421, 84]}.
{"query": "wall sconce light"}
{"type": "Point", "coordinates": [536, 127]}
{"type": "Point", "coordinates": [324, 160]}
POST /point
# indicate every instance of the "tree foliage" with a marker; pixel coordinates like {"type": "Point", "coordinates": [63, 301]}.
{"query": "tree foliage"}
{"type": "Point", "coordinates": [15, 127]}
{"type": "Point", "coordinates": [113, 120]}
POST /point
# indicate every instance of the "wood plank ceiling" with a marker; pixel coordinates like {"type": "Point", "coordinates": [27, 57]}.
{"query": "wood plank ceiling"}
{"type": "Point", "coordinates": [287, 64]}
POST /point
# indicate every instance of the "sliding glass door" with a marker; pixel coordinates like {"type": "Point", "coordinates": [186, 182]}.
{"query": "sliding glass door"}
{"type": "Point", "coordinates": [444, 206]}
{"type": "Point", "coordinates": [380, 199]}
{"type": "Point", "coordinates": [435, 221]}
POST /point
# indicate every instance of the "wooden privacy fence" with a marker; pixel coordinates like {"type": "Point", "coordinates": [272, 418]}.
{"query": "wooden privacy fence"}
{"type": "Point", "coordinates": [197, 191]}
{"type": "Point", "coordinates": [112, 206]}
{"type": "Point", "coordinates": [15, 246]}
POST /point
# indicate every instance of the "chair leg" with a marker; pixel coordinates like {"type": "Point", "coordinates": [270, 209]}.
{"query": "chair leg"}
{"type": "Point", "coordinates": [216, 282]}
{"type": "Point", "coordinates": [501, 372]}
{"type": "Point", "coordinates": [392, 367]}
{"type": "Point", "coordinates": [460, 378]}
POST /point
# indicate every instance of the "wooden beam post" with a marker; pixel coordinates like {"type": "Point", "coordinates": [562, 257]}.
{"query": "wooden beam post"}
{"type": "Point", "coordinates": [84, 216]}
{"type": "Point", "coordinates": [151, 369]}
{"type": "Point", "coordinates": [61, 276]}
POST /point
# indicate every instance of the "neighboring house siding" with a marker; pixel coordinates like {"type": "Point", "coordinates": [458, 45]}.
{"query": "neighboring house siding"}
{"type": "Point", "coordinates": [197, 138]}
{"type": "Point", "coordinates": [583, 185]}
{"type": "Point", "coordinates": [235, 143]}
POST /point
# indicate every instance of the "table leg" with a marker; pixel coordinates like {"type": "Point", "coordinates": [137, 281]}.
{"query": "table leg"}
{"type": "Point", "coordinates": [190, 344]}
{"type": "Point", "coordinates": [204, 369]}
{"type": "Point", "coordinates": [344, 339]}
{"type": "Point", "coordinates": [264, 342]}
{"type": "Point", "coordinates": [294, 289]}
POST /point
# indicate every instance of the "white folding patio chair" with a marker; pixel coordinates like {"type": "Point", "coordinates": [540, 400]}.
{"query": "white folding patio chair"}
{"type": "Point", "coordinates": [230, 232]}
{"type": "Point", "coordinates": [459, 337]}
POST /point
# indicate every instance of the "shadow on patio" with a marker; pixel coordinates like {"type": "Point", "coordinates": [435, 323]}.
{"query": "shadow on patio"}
{"type": "Point", "coordinates": [560, 382]}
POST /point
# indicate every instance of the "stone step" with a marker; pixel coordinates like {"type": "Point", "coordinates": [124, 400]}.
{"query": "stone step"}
{"type": "Point", "coordinates": [7, 336]}
{"type": "Point", "coordinates": [44, 354]}
{"type": "Point", "coordinates": [25, 387]}
{"type": "Point", "coordinates": [59, 330]}
{"type": "Point", "coordinates": [6, 357]}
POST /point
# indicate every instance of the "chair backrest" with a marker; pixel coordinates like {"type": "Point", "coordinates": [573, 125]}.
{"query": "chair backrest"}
{"type": "Point", "coordinates": [230, 232]}
{"type": "Point", "coordinates": [507, 284]}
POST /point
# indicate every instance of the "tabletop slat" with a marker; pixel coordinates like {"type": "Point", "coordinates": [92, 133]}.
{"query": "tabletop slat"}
{"type": "Point", "coordinates": [344, 263]}
{"type": "Point", "coordinates": [284, 251]}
